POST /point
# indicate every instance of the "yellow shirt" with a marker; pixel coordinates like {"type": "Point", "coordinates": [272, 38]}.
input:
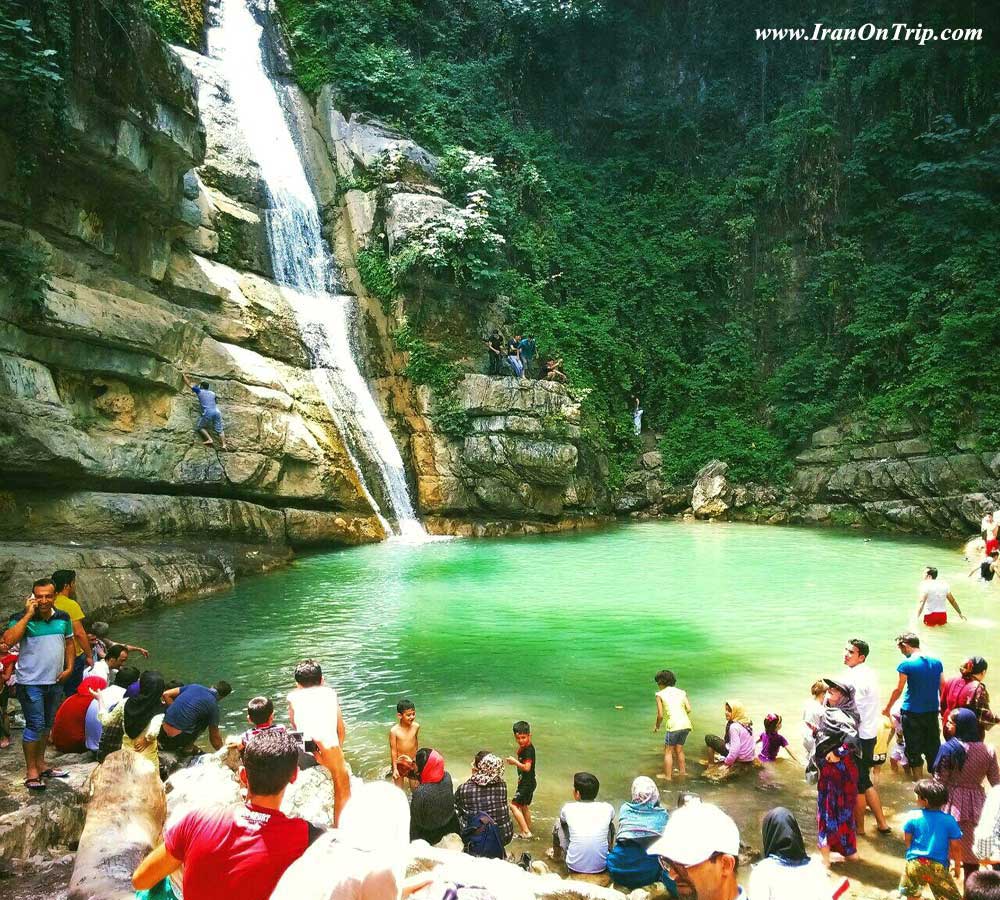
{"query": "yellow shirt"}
{"type": "Point", "coordinates": [75, 613]}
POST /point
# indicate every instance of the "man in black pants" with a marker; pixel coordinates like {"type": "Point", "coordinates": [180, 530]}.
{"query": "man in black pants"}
{"type": "Point", "coordinates": [921, 677]}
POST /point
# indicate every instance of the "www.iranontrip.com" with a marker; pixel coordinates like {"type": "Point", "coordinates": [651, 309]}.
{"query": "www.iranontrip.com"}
{"type": "Point", "coordinates": [898, 31]}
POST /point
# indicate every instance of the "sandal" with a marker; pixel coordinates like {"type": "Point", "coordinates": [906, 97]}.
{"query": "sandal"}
{"type": "Point", "coordinates": [55, 773]}
{"type": "Point", "coordinates": [886, 830]}
{"type": "Point", "coordinates": [34, 784]}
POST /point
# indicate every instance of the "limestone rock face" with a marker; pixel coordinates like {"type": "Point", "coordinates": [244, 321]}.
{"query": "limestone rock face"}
{"type": "Point", "coordinates": [521, 460]}
{"type": "Point", "coordinates": [406, 213]}
{"type": "Point", "coordinates": [711, 489]}
{"type": "Point", "coordinates": [365, 141]}
{"type": "Point", "coordinates": [159, 267]}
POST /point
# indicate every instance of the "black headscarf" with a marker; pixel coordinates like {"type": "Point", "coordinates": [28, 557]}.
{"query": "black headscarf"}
{"type": "Point", "coordinates": [952, 753]}
{"type": "Point", "coordinates": [782, 838]}
{"type": "Point", "coordinates": [144, 705]}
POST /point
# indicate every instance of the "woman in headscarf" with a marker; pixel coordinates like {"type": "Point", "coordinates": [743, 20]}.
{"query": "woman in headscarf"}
{"type": "Point", "coordinates": [640, 822]}
{"type": "Point", "coordinates": [432, 803]}
{"type": "Point", "coordinates": [786, 871]}
{"type": "Point", "coordinates": [486, 792]}
{"type": "Point", "coordinates": [837, 745]}
{"type": "Point", "coordinates": [69, 728]}
{"type": "Point", "coordinates": [140, 717]}
{"type": "Point", "coordinates": [968, 691]}
{"type": "Point", "coordinates": [737, 744]}
{"type": "Point", "coordinates": [962, 763]}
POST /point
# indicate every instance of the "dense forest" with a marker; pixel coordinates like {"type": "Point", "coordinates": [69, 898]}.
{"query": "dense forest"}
{"type": "Point", "coordinates": [756, 237]}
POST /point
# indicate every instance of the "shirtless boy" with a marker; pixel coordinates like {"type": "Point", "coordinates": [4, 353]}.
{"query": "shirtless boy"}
{"type": "Point", "coordinates": [403, 739]}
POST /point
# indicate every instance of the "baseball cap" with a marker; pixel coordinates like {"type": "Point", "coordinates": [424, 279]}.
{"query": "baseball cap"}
{"type": "Point", "coordinates": [694, 833]}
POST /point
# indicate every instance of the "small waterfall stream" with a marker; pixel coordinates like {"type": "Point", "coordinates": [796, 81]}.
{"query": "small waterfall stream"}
{"type": "Point", "coordinates": [303, 264]}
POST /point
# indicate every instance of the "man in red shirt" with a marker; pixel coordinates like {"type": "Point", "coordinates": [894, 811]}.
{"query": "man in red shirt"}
{"type": "Point", "coordinates": [241, 852]}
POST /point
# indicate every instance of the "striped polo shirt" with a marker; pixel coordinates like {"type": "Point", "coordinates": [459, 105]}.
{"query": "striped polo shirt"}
{"type": "Point", "coordinates": [43, 648]}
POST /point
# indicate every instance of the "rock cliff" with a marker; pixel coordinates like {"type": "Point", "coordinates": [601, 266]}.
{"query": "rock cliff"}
{"type": "Point", "coordinates": [149, 226]}
{"type": "Point", "coordinates": [883, 477]}
{"type": "Point", "coordinates": [154, 271]}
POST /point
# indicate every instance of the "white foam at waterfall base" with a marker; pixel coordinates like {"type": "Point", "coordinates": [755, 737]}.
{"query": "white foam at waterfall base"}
{"type": "Point", "coordinates": [304, 266]}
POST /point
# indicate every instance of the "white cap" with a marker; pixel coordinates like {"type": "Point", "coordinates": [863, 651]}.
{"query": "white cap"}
{"type": "Point", "coordinates": [694, 833]}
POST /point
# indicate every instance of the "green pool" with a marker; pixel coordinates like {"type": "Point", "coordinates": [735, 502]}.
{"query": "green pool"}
{"type": "Point", "coordinates": [567, 632]}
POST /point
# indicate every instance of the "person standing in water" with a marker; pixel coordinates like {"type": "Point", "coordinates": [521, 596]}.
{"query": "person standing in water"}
{"type": "Point", "coordinates": [935, 594]}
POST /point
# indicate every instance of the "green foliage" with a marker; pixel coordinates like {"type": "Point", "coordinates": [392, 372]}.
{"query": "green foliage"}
{"type": "Point", "coordinates": [788, 234]}
{"type": "Point", "coordinates": [428, 365]}
{"type": "Point", "coordinates": [31, 83]}
{"type": "Point", "coordinates": [23, 272]}
{"type": "Point", "coordinates": [377, 277]}
{"type": "Point", "coordinates": [177, 21]}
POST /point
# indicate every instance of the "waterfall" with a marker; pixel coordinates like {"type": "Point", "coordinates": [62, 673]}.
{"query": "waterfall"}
{"type": "Point", "coordinates": [303, 264]}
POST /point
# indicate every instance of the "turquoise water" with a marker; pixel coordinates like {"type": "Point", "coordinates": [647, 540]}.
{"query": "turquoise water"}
{"type": "Point", "coordinates": [567, 631]}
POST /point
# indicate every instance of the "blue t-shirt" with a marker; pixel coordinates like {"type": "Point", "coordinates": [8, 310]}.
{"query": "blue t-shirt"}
{"type": "Point", "coordinates": [194, 710]}
{"type": "Point", "coordinates": [206, 398]}
{"type": "Point", "coordinates": [923, 683]}
{"type": "Point", "coordinates": [931, 830]}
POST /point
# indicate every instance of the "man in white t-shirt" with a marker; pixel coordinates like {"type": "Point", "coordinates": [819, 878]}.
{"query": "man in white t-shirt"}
{"type": "Point", "coordinates": [585, 828]}
{"type": "Point", "coordinates": [866, 697]}
{"type": "Point", "coordinates": [313, 707]}
{"type": "Point", "coordinates": [935, 595]}
{"type": "Point", "coordinates": [115, 658]}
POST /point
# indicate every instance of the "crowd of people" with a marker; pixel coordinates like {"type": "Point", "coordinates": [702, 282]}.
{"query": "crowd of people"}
{"type": "Point", "coordinates": [515, 357]}
{"type": "Point", "coordinates": [80, 692]}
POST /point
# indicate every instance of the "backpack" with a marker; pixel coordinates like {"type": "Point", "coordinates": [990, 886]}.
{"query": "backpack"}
{"type": "Point", "coordinates": [481, 837]}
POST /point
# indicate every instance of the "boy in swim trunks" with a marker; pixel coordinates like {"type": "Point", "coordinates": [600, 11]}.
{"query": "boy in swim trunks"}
{"type": "Point", "coordinates": [526, 783]}
{"type": "Point", "coordinates": [672, 711]}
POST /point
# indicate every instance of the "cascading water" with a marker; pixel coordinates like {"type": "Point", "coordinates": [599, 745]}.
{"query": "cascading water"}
{"type": "Point", "coordinates": [303, 265]}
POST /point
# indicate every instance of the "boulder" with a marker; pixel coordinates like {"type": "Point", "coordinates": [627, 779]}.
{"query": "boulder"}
{"type": "Point", "coordinates": [406, 213]}
{"type": "Point", "coordinates": [365, 141]}
{"type": "Point", "coordinates": [711, 492]}
{"type": "Point", "coordinates": [125, 815]}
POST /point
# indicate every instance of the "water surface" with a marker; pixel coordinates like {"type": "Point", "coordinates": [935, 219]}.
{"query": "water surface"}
{"type": "Point", "coordinates": [567, 632]}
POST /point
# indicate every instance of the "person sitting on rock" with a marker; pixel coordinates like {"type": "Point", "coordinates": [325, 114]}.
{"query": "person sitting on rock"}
{"type": "Point", "coordinates": [210, 414]}
{"type": "Point", "coordinates": [552, 371]}
{"type": "Point", "coordinates": [240, 852]}
{"type": "Point", "coordinates": [585, 829]}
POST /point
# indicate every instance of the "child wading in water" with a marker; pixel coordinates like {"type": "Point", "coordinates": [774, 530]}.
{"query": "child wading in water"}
{"type": "Point", "coordinates": [403, 741]}
{"type": "Point", "coordinates": [672, 709]}
{"type": "Point", "coordinates": [520, 806]}
{"type": "Point", "coordinates": [771, 742]}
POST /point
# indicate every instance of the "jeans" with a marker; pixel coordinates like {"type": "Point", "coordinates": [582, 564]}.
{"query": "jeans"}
{"type": "Point", "coordinates": [38, 703]}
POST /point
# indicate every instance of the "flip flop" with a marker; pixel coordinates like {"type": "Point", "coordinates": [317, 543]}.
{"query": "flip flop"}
{"type": "Point", "coordinates": [55, 773]}
{"type": "Point", "coordinates": [34, 784]}
{"type": "Point", "coordinates": [886, 830]}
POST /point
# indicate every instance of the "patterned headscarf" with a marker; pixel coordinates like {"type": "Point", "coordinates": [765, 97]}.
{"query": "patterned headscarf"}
{"type": "Point", "coordinates": [488, 770]}
{"type": "Point", "coordinates": [643, 817]}
{"type": "Point", "coordinates": [644, 790]}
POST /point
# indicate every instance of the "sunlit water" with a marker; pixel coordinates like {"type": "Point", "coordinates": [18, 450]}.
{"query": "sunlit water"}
{"type": "Point", "coordinates": [567, 632]}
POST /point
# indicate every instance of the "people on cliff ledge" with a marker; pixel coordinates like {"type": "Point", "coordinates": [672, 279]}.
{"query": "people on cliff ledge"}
{"type": "Point", "coordinates": [210, 414]}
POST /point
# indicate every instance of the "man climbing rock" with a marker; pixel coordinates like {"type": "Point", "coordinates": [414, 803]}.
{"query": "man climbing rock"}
{"type": "Point", "coordinates": [210, 414]}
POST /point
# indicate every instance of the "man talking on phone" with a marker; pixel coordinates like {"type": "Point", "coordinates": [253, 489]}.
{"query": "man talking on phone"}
{"type": "Point", "coordinates": [45, 662]}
